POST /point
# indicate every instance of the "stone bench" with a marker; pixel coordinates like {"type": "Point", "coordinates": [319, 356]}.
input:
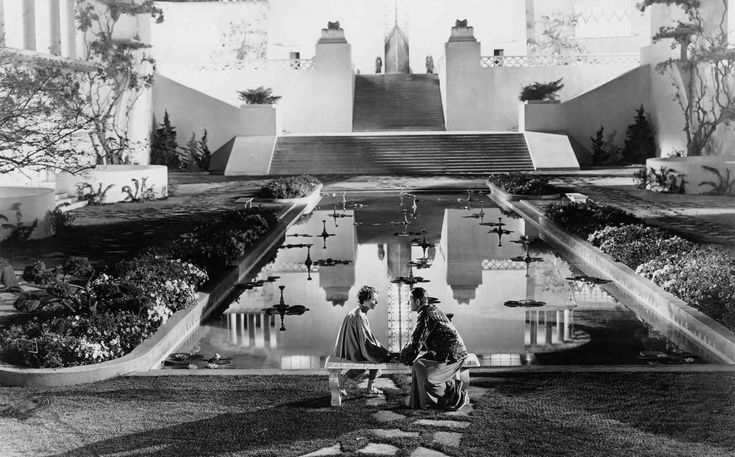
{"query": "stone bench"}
{"type": "Point", "coordinates": [334, 366]}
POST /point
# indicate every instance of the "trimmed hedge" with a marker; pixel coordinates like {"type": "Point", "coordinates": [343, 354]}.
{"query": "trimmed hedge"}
{"type": "Point", "coordinates": [522, 183]}
{"type": "Point", "coordinates": [292, 187]}
{"type": "Point", "coordinates": [588, 217]}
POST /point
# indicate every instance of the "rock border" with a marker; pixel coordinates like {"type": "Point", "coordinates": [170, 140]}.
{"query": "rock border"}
{"type": "Point", "coordinates": [177, 328]}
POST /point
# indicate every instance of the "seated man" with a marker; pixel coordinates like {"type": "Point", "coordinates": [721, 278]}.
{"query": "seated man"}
{"type": "Point", "coordinates": [356, 341]}
{"type": "Point", "coordinates": [437, 354]}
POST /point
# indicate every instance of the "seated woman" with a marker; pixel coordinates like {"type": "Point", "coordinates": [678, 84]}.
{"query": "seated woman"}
{"type": "Point", "coordinates": [437, 354]}
{"type": "Point", "coordinates": [356, 342]}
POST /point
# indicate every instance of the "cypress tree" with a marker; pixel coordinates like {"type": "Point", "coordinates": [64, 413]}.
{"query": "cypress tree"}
{"type": "Point", "coordinates": [640, 139]}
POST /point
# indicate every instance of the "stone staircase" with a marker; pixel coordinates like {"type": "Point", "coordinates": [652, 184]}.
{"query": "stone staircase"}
{"type": "Point", "coordinates": [397, 102]}
{"type": "Point", "coordinates": [408, 153]}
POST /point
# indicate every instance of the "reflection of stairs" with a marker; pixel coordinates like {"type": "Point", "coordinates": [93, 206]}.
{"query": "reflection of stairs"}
{"type": "Point", "coordinates": [406, 153]}
{"type": "Point", "coordinates": [397, 102]}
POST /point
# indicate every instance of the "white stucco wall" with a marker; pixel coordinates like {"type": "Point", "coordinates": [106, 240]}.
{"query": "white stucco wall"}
{"type": "Point", "coordinates": [611, 105]}
{"type": "Point", "coordinates": [487, 98]}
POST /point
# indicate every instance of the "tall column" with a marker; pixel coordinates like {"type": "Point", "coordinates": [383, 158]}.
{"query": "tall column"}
{"type": "Point", "coordinates": [29, 25]}
{"type": "Point", "coordinates": [259, 331]}
{"type": "Point", "coordinates": [242, 331]}
{"type": "Point", "coordinates": [47, 32]}
{"type": "Point", "coordinates": [251, 329]}
{"type": "Point", "coordinates": [549, 328]}
{"type": "Point", "coordinates": [68, 32]}
{"type": "Point", "coordinates": [2, 17]}
{"type": "Point", "coordinates": [463, 91]}
{"type": "Point", "coordinates": [232, 326]}
{"type": "Point", "coordinates": [13, 23]}
{"type": "Point", "coordinates": [559, 326]}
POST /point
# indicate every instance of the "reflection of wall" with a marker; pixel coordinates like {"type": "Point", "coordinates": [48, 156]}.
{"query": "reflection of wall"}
{"type": "Point", "coordinates": [399, 254]}
{"type": "Point", "coordinates": [336, 280]}
{"type": "Point", "coordinates": [465, 244]}
{"type": "Point", "coordinates": [339, 279]}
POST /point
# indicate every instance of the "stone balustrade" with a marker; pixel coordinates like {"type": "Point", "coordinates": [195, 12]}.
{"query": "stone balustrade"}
{"type": "Point", "coordinates": [554, 60]}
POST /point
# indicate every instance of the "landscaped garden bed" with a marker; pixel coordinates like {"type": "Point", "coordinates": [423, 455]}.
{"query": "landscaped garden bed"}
{"type": "Point", "coordinates": [77, 315]}
{"type": "Point", "coordinates": [522, 186]}
{"type": "Point", "coordinates": [296, 190]}
{"type": "Point", "coordinates": [701, 275]}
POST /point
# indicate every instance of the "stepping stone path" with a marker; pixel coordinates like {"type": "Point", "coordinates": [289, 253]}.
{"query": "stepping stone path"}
{"type": "Point", "coordinates": [437, 427]}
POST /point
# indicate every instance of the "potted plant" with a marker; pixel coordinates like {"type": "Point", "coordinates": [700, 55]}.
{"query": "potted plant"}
{"type": "Point", "coordinates": [541, 92]}
{"type": "Point", "coordinates": [258, 96]}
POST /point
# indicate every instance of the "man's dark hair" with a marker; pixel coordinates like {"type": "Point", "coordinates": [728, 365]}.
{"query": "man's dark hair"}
{"type": "Point", "coordinates": [365, 293]}
{"type": "Point", "coordinates": [419, 293]}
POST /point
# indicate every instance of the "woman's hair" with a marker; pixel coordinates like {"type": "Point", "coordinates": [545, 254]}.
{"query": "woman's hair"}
{"type": "Point", "coordinates": [419, 293]}
{"type": "Point", "coordinates": [365, 293]}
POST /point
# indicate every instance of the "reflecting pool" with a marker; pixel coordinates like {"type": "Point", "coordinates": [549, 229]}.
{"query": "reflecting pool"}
{"type": "Point", "coordinates": [513, 301]}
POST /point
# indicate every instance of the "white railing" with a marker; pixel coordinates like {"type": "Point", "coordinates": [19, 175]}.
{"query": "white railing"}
{"type": "Point", "coordinates": [234, 64]}
{"type": "Point", "coordinates": [552, 61]}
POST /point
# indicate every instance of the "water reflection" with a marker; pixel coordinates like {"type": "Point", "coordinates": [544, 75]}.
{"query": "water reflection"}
{"type": "Point", "coordinates": [467, 273]}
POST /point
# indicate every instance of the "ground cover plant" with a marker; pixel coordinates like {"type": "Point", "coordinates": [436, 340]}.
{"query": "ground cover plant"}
{"type": "Point", "coordinates": [215, 244]}
{"type": "Point", "coordinates": [291, 187]}
{"type": "Point", "coordinates": [636, 244]}
{"type": "Point", "coordinates": [79, 315]}
{"type": "Point", "coordinates": [703, 276]}
{"type": "Point", "coordinates": [522, 183]}
{"type": "Point", "coordinates": [584, 414]}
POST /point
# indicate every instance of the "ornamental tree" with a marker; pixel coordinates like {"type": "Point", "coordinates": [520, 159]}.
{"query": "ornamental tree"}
{"type": "Point", "coordinates": [41, 120]}
{"type": "Point", "coordinates": [707, 67]}
{"type": "Point", "coordinates": [124, 72]}
{"type": "Point", "coordinates": [53, 110]}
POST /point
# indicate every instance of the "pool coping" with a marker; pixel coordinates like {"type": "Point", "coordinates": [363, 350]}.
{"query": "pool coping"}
{"type": "Point", "coordinates": [700, 328]}
{"type": "Point", "coordinates": [152, 351]}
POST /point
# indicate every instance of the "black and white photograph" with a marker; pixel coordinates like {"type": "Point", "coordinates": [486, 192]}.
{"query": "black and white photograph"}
{"type": "Point", "coordinates": [410, 228]}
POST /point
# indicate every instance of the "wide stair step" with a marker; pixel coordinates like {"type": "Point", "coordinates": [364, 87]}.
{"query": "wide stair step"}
{"type": "Point", "coordinates": [397, 103]}
{"type": "Point", "coordinates": [435, 154]}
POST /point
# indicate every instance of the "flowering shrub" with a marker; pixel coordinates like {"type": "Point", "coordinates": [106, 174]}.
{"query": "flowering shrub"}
{"type": "Point", "coordinates": [522, 183]}
{"type": "Point", "coordinates": [703, 277]}
{"type": "Point", "coordinates": [293, 187]}
{"type": "Point", "coordinates": [216, 244]}
{"type": "Point", "coordinates": [105, 319]}
{"type": "Point", "coordinates": [64, 341]}
{"type": "Point", "coordinates": [585, 218]}
{"type": "Point", "coordinates": [82, 317]}
{"type": "Point", "coordinates": [637, 244]}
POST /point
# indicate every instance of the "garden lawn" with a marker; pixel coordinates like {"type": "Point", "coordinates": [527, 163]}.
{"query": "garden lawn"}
{"type": "Point", "coordinates": [549, 414]}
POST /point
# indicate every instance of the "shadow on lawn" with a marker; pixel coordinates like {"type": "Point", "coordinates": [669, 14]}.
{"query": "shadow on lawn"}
{"type": "Point", "coordinates": [281, 430]}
